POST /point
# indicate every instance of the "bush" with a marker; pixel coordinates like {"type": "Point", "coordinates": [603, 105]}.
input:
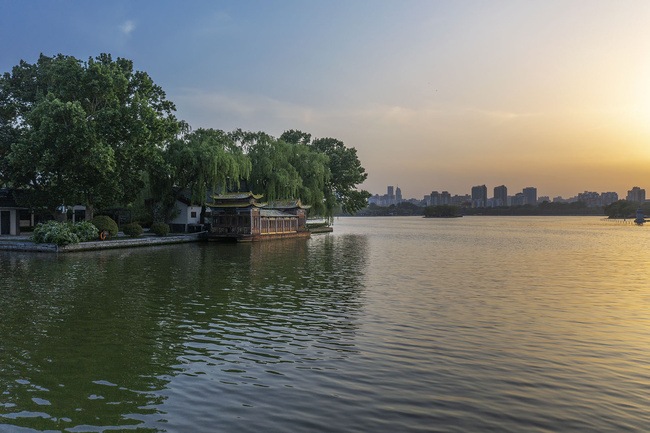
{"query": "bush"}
{"type": "Point", "coordinates": [86, 231]}
{"type": "Point", "coordinates": [161, 229]}
{"type": "Point", "coordinates": [103, 222]}
{"type": "Point", "coordinates": [54, 232]}
{"type": "Point", "coordinates": [133, 229]}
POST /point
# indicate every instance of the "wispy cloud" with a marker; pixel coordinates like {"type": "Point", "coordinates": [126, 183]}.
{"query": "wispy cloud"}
{"type": "Point", "coordinates": [127, 27]}
{"type": "Point", "coordinates": [241, 110]}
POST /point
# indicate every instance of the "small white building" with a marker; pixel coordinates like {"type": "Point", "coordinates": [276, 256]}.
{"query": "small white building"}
{"type": "Point", "coordinates": [188, 217]}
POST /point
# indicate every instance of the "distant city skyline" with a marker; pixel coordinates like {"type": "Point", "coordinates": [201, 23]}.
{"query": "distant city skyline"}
{"type": "Point", "coordinates": [479, 197]}
{"type": "Point", "coordinates": [511, 192]}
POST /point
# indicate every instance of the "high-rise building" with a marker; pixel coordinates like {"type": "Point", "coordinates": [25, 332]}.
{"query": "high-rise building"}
{"type": "Point", "coordinates": [445, 197]}
{"type": "Point", "coordinates": [435, 198]}
{"type": "Point", "coordinates": [500, 196]}
{"type": "Point", "coordinates": [390, 197]}
{"type": "Point", "coordinates": [518, 199]}
{"type": "Point", "coordinates": [609, 198]}
{"type": "Point", "coordinates": [530, 195]}
{"type": "Point", "coordinates": [398, 195]}
{"type": "Point", "coordinates": [590, 198]}
{"type": "Point", "coordinates": [479, 196]}
{"type": "Point", "coordinates": [636, 194]}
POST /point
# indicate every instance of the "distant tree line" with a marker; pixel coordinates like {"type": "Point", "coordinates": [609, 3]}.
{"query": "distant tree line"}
{"type": "Point", "coordinates": [400, 209]}
{"type": "Point", "coordinates": [625, 209]}
{"type": "Point", "coordinates": [442, 211]}
{"type": "Point", "coordinates": [545, 208]}
{"type": "Point", "coordinates": [99, 133]}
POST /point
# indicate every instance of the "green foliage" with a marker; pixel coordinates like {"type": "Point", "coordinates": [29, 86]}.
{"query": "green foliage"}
{"type": "Point", "coordinates": [441, 211]}
{"type": "Point", "coordinates": [622, 209]}
{"type": "Point", "coordinates": [344, 173]}
{"type": "Point", "coordinates": [54, 232]}
{"type": "Point", "coordinates": [132, 229]}
{"type": "Point", "coordinates": [105, 223]}
{"type": "Point", "coordinates": [399, 209]}
{"type": "Point", "coordinates": [80, 132]}
{"type": "Point", "coordinates": [160, 229]}
{"type": "Point", "coordinates": [323, 173]}
{"type": "Point", "coordinates": [273, 173]}
{"type": "Point", "coordinates": [199, 161]}
{"type": "Point", "coordinates": [85, 230]}
{"type": "Point", "coordinates": [58, 233]}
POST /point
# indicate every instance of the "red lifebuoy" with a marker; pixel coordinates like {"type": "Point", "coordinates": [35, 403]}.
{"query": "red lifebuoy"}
{"type": "Point", "coordinates": [102, 235]}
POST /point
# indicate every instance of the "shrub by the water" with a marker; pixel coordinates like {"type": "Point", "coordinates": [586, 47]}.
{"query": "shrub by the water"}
{"type": "Point", "coordinates": [161, 229]}
{"type": "Point", "coordinates": [132, 229]}
{"type": "Point", "coordinates": [103, 222]}
{"type": "Point", "coordinates": [54, 232]}
{"type": "Point", "coordinates": [85, 230]}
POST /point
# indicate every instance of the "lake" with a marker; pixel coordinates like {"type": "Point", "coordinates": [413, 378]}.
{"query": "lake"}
{"type": "Point", "coordinates": [475, 324]}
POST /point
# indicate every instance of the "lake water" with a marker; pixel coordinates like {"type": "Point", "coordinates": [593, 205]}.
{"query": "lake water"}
{"type": "Point", "coordinates": [477, 324]}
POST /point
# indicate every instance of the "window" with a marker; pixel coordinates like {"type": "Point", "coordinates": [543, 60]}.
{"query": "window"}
{"type": "Point", "coordinates": [193, 214]}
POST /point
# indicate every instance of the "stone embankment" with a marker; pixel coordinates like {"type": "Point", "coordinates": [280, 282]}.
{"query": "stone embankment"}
{"type": "Point", "coordinates": [123, 242]}
{"type": "Point", "coordinates": [327, 229]}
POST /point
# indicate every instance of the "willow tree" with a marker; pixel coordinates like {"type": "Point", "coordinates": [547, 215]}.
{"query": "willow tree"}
{"type": "Point", "coordinates": [198, 162]}
{"type": "Point", "coordinates": [75, 132]}
{"type": "Point", "coordinates": [312, 167]}
{"type": "Point", "coordinates": [283, 170]}
{"type": "Point", "coordinates": [272, 173]}
{"type": "Point", "coordinates": [345, 172]}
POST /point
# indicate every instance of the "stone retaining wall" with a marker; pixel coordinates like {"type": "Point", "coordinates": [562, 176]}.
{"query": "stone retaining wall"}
{"type": "Point", "coordinates": [101, 245]}
{"type": "Point", "coordinates": [27, 246]}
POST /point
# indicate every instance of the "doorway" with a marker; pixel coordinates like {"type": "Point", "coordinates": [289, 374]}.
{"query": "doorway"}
{"type": "Point", "coordinates": [5, 222]}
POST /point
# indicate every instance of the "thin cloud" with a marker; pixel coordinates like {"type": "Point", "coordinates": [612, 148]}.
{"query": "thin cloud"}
{"type": "Point", "coordinates": [127, 27]}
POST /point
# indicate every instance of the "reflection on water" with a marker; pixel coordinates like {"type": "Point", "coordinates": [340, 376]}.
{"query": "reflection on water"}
{"type": "Point", "coordinates": [139, 337]}
{"type": "Point", "coordinates": [388, 324]}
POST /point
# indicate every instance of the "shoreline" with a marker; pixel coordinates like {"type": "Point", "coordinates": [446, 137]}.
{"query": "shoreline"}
{"type": "Point", "coordinates": [22, 244]}
{"type": "Point", "coordinates": [125, 242]}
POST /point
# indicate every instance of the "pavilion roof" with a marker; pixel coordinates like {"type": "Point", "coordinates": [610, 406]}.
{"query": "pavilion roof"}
{"type": "Point", "coordinates": [286, 204]}
{"type": "Point", "coordinates": [234, 205]}
{"type": "Point", "coordinates": [237, 196]}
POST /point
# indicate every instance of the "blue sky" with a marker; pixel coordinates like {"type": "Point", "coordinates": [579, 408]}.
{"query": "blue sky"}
{"type": "Point", "coordinates": [435, 95]}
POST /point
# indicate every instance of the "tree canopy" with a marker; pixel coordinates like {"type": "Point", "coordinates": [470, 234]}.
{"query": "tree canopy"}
{"type": "Point", "coordinates": [622, 209]}
{"type": "Point", "coordinates": [94, 132]}
{"type": "Point", "coordinates": [197, 162]}
{"type": "Point", "coordinates": [441, 211]}
{"type": "Point", "coordinates": [283, 169]}
{"type": "Point", "coordinates": [80, 132]}
{"type": "Point", "coordinates": [345, 172]}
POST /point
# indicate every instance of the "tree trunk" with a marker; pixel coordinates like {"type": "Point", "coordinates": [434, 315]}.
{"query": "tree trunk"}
{"type": "Point", "coordinates": [90, 212]}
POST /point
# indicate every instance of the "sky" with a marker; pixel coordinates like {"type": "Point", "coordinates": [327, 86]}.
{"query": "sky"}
{"type": "Point", "coordinates": [434, 95]}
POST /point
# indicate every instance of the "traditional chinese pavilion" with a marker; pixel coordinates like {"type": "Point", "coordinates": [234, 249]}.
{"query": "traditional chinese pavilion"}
{"type": "Point", "coordinates": [240, 217]}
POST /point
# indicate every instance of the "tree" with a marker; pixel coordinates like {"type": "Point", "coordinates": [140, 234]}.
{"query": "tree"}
{"type": "Point", "coordinates": [198, 162]}
{"type": "Point", "coordinates": [346, 173]}
{"type": "Point", "coordinates": [273, 173]}
{"type": "Point", "coordinates": [441, 211]}
{"type": "Point", "coordinates": [282, 169]}
{"type": "Point", "coordinates": [76, 132]}
{"type": "Point", "coordinates": [621, 209]}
